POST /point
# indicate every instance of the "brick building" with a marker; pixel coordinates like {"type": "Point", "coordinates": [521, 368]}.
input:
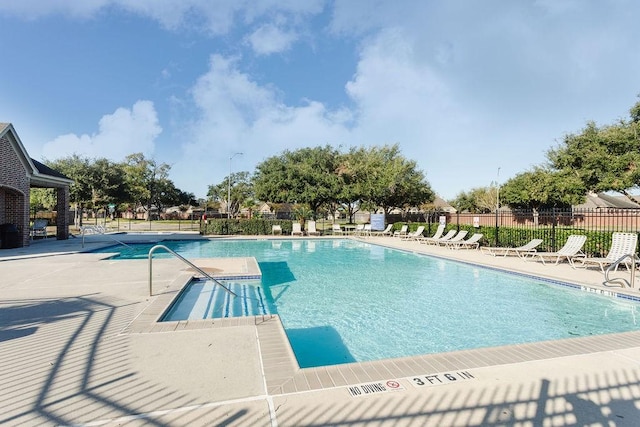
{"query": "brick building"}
{"type": "Point", "coordinates": [18, 174]}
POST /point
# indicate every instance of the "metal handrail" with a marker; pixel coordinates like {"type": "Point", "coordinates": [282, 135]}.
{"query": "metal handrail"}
{"type": "Point", "coordinates": [98, 229]}
{"type": "Point", "coordinates": [620, 280]}
{"type": "Point", "coordinates": [186, 261]}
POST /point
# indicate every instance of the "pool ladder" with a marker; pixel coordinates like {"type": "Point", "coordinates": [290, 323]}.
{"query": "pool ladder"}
{"type": "Point", "coordinates": [186, 261]}
{"type": "Point", "coordinates": [620, 280]}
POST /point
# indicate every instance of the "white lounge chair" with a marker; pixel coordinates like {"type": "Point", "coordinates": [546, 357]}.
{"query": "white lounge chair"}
{"type": "Point", "coordinates": [402, 232]}
{"type": "Point", "coordinates": [336, 229]}
{"type": "Point", "coordinates": [385, 232]}
{"type": "Point", "coordinates": [621, 244]}
{"type": "Point", "coordinates": [414, 235]}
{"type": "Point", "coordinates": [520, 251]}
{"type": "Point", "coordinates": [571, 250]}
{"type": "Point", "coordinates": [311, 230]}
{"type": "Point", "coordinates": [276, 229]}
{"type": "Point", "coordinates": [366, 230]}
{"type": "Point", "coordinates": [358, 230]}
{"type": "Point", "coordinates": [436, 235]}
{"type": "Point", "coordinates": [456, 238]}
{"type": "Point", "coordinates": [432, 241]}
{"type": "Point", "coordinates": [296, 229]}
{"type": "Point", "coordinates": [471, 242]}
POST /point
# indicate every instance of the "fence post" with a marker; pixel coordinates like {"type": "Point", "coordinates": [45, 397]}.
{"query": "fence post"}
{"type": "Point", "coordinates": [553, 229]}
{"type": "Point", "coordinates": [496, 227]}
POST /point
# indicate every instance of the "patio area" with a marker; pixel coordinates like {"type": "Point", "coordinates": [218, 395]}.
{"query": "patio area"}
{"type": "Point", "coordinates": [81, 346]}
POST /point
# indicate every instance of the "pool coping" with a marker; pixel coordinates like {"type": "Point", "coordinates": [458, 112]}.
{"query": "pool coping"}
{"type": "Point", "coordinates": [283, 374]}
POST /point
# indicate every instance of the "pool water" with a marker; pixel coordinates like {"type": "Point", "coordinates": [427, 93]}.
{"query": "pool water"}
{"type": "Point", "coordinates": [347, 301]}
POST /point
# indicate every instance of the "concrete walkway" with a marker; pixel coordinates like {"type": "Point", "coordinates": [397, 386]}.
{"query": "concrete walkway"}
{"type": "Point", "coordinates": [79, 345]}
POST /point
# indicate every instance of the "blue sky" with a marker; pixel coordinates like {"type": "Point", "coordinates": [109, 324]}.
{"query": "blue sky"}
{"type": "Point", "coordinates": [473, 91]}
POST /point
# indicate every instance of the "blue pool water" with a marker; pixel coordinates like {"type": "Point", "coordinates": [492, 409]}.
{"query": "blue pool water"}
{"type": "Point", "coordinates": [344, 301]}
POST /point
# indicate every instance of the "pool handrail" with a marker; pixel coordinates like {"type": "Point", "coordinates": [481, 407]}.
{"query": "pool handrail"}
{"type": "Point", "coordinates": [620, 280]}
{"type": "Point", "coordinates": [99, 229]}
{"type": "Point", "coordinates": [186, 261]}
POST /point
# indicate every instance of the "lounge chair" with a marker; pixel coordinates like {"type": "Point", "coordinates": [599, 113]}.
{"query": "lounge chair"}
{"type": "Point", "coordinates": [336, 229]}
{"type": "Point", "coordinates": [296, 229]}
{"type": "Point", "coordinates": [366, 230]}
{"type": "Point", "coordinates": [432, 241]}
{"type": "Point", "coordinates": [402, 232]}
{"type": "Point", "coordinates": [276, 229]}
{"type": "Point", "coordinates": [571, 251]}
{"type": "Point", "coordinates": [471, 242]}
{"type": "Point", "coordinates": [311, 230]}
{"type": "Point", "coordinates": [385, 232]}
{"type": "Point", "coordinates": [436, 235]}
{"type": "Point", "coordinates": [621, 244]}
{"type": "Point", "coordinates": [39, 228]}
{"type": "Point", "coordinates": [456, 238]}
{"type": "Point", "coordinates": [358, 230]}
{"type": "Point", "coordinates": [414, 235]}
{"type": "Point", "coordinates": [520, 251]}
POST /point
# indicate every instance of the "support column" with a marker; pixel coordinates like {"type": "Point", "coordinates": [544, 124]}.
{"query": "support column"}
{"type": "Point", "coordinates": [62, 207]}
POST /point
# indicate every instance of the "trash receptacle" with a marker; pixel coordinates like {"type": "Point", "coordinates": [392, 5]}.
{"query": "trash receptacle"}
{"type": "Point", "coordinates": [9, 236]}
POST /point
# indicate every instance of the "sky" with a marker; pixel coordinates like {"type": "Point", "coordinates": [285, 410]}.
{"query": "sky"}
{"type": "Point", "coordinates": [474, 91]}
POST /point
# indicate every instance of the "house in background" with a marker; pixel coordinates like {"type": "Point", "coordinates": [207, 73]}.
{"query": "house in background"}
{"type": "Point", "coordinates": [18, 174]}
{"type": "Point", "coordinates": [604, 201]}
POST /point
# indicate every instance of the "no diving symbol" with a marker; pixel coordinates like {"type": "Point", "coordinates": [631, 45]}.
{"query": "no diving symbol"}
{"type": "Point", "coordinates": [393, 384]}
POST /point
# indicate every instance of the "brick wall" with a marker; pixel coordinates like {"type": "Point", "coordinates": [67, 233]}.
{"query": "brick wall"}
{"type": "Point", "coordinates": [14, 190]}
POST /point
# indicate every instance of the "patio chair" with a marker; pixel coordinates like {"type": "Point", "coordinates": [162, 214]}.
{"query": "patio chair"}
{"type": "Point", "coordinates": [414, 235]}
{"type": "Point", "coordinates": [296, 229]}
{"type": "Point", "coordinates": [386, 232]}
{"type": "Point", "coordinates": [471, 242]}
{"type": "Point", "coordinates": [366, 230]}
{"type": "Point", "coordinates": [39, 228]}
{"type": "Point", "coordinates": [621, 244]}
{"type": "Point", "coordinates": [336, 229]}
{"type": "Point", "coordinates": [276, 229]}
{"type": "Point", "coordinates": [520, 251]}
{"type": "Point", "coordinates": [571, 251]}
{"type": "Point", "coordinates": [402, 232]}
{"type": "Point", "coordinates": [311, 230]}
{"type": "Point", "coordinates": [456, 238]}
{"type": "Point", "coordinates": [432, 241]}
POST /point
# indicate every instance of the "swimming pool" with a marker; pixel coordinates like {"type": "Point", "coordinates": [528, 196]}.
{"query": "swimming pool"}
{"type": "Point", "coordinates": [348, 301]}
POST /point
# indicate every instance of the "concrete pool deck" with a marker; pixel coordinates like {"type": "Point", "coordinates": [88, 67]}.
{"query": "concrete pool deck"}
{"type": "Point", "coordinates": [80, 345]}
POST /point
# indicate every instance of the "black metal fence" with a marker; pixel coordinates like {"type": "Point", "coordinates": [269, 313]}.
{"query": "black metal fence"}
{"type": "Point", "coordinates": [516, 227]}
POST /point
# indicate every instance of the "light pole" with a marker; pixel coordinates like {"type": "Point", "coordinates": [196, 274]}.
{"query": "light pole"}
{"type": "Point", "coordinates": [497, 202]}
{"type": "Point", "coordinates": [229, 186]}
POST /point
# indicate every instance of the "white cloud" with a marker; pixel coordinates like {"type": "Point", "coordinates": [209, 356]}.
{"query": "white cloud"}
{"type": "Point", "coordinates": [269, 39]}
{"type": "Point", "coordinates": [119, 134]}
{"type": "Point", "coordinates": [213, 17]}
{"type": "Point", "coordinates": [236, 114]}
{"type": "Point", "coordinates": [34, 9]}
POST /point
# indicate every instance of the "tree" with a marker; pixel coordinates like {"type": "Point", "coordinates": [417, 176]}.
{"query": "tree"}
{"type": "Point", "coordinates": [385, 179]}
{"type": "Point", "coordinates": [241, 189]}
{"type": "Point", "coordinates": [305, 176]}
{"type": "Point", "coordinates": [603, 158]}
{"type": "Point", "coordinates": [146, 180]}
{"type": "Point", "coordinates": [542, 188]}
{"type": "Point", "coordinates": [477, 200]}
{"type": "Point", "coordinates": [79, 170]}
{"type": "Point", "coordinates": [107, 183]}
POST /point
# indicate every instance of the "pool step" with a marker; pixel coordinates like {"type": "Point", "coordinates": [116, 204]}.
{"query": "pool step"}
{"type": "Point", "coordinates": [204, 300]}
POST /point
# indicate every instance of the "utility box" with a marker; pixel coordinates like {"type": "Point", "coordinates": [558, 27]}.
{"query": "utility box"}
{"type": "Point", "coordinates": [9, 236]}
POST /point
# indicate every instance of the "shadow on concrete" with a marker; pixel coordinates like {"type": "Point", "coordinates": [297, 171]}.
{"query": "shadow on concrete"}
{"type": "Point", "coordinates": [69, 365]}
